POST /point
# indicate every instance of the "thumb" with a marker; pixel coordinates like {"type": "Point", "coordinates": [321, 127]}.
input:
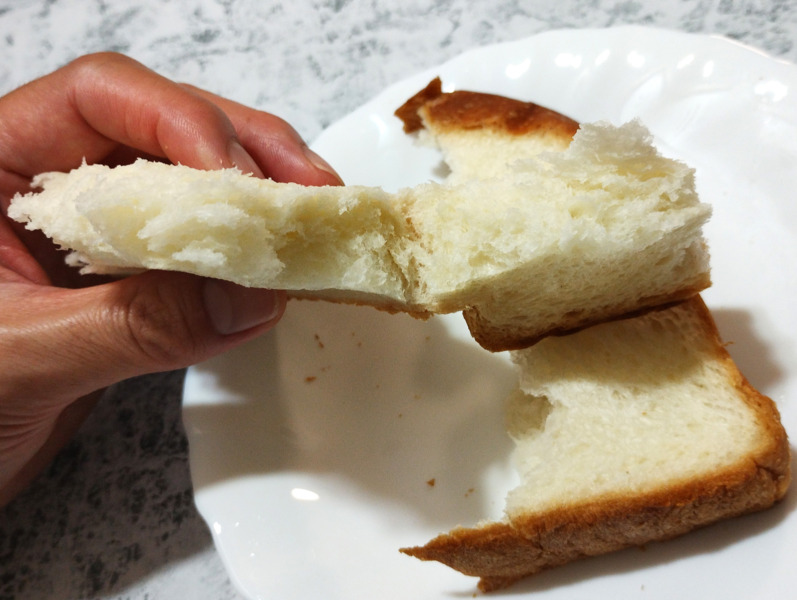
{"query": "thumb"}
{"type": "Point", "coordinates": [67, 343]}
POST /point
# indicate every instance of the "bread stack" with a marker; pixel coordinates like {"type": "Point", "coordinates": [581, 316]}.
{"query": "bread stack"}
{"type": "Point", "coordinates": [626, 432]}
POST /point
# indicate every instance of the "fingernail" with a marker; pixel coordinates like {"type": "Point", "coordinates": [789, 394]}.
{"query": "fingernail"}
{"type": "Point", "coordinates": [320, 163]}
{"type": "Point", "coordinates": [233, 308]}
{"type": "Point", "coordinates": [242, 159]}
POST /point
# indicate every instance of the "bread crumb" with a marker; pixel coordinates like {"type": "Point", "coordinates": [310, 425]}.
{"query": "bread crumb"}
{"type": "Point", "coordinates": [310, 378]}
{"type": "Point", "coordinates": [431, 482]}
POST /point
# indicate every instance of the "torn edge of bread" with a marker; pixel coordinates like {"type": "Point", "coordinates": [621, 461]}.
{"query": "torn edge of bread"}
{"type": "Point", "coordinates": [602, 229]}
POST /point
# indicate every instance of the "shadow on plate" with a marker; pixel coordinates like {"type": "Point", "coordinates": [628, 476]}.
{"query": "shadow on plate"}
{"type": "Point", "coordinates": [750, 353]}
{"type": "Point", "coordinates": [407, 411]}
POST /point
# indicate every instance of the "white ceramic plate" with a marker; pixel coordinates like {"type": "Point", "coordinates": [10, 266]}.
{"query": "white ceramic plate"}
{"type": "Point", "coordinates": [313, 450]}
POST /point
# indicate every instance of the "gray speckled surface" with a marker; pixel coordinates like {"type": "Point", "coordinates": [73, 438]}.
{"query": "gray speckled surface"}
{"type": "Point", "coordinates": [113, 517]}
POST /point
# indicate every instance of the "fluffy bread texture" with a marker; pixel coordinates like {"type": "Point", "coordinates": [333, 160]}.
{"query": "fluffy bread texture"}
{"type": "Point", "coordinates": [627, 432]}
{"type": "Point", "coordinates": [561, 240]}
{"type": "Point", "coordinates": [486, 137]}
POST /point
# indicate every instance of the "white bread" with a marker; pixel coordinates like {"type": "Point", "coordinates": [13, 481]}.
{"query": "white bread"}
{"type": "Point", "coordinates": [628, 432]}
{"type": "Point", "coordinates": [484, 137]}
{"type": "Point", "coordinates": [605, 228]}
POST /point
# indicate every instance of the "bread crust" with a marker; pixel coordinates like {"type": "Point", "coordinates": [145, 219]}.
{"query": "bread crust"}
{"type": "Point", "coordinates": [463, 111]}
{"type": "Point", "coordinates": [500, 553]}
{"type": "Point", "coordinates": [496, 339]}
{"type": "Point", "coordinates": [466, 110]}
{"type": "Point", "coordinates": [380, 303]}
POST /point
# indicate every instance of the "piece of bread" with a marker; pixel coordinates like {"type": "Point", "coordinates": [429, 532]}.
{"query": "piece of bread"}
{"type": "Point", "coordinates": [627, 432]}
{"type": "Point", "coordinates": [487, 137]}
{"type": "Point", "coordinates": [483, 136]}
{"type": "Point", "coordinates": [605, 228]}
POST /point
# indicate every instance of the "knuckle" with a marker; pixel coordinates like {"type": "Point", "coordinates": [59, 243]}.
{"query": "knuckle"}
{"type": "Point", "coordinates": [96, 63]}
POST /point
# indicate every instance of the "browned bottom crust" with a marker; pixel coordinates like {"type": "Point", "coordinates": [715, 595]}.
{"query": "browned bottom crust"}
{"type": "Point", "coordinates": [498, 337]}
{"type": "Point", "coordinates": [502, 553]}
{"type": "Point", "coordinates": [381, 303]}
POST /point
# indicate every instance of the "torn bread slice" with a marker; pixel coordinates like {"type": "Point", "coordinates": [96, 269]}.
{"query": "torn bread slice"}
{"type": "Point", "coordinates": [487, 137]}
{"type": "Point", "coordinates": [513, 251]}
{"type": "Point", "coordinates": [628, 432]}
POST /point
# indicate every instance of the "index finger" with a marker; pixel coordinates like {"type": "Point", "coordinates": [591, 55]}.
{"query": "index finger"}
{"type": "Point", "coordinates": [100, 102]}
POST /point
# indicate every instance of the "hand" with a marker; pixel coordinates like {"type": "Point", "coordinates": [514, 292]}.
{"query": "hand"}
{"type": "Point", "coordinates": [61, 341]}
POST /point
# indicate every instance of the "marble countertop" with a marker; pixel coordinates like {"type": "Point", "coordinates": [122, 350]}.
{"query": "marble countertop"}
{"type": "Point", "coordinates": [113, 517]}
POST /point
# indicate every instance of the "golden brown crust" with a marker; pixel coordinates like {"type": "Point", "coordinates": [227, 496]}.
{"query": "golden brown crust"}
{"type": "Point", "coordinates": [465, 110]}
{"type": "Point", "coordinates": [498, 339]}
{"type": "Point", "coordinates": [408, 112]}
{"type": "Point", "coordinates": [373, 300]}
{"type": "Point", "coordinates": [462, 111]}
{"type": "Point", "coordinates": [502, 553]}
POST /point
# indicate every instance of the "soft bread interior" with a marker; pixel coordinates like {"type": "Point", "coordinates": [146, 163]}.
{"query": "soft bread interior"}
{"type": "Point", "coordinates": [222, 224]}
{"type": "Point", "coordinates": [608, 248]}
{"type": "Point", "coordinates": [625, 408]}
{"type": "Point", "coordinates": [485, 137]}
{"type": "Point", "coordinates": [514, 250]}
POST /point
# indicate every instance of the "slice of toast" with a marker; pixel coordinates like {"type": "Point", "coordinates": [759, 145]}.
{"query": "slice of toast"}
{"type": "Point", "coordinates": [627, 432]}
